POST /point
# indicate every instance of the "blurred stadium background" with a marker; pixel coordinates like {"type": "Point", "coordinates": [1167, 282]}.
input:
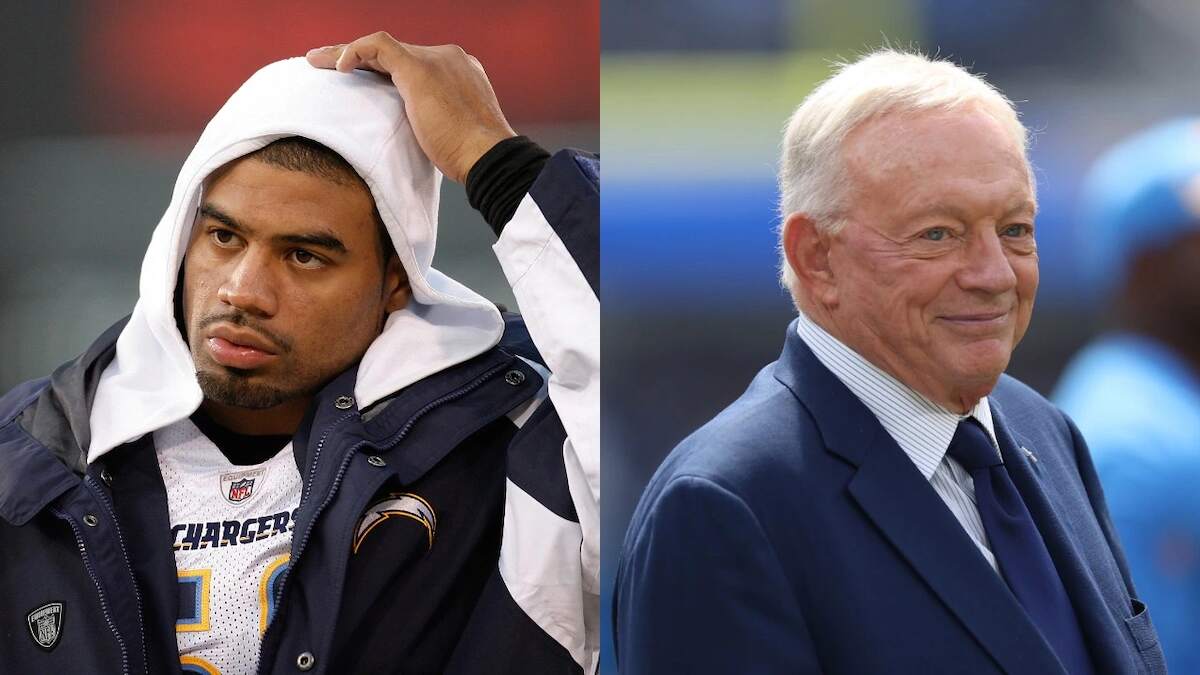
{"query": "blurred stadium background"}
{"type": "Point", "coordinates": [103, 101]}
{"type": "Point", "coordinates": [694, 98]}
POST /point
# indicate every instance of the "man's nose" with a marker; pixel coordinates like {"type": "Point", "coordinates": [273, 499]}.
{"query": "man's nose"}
{"type": "Point", "coordinates": [987, 267]}
{"type": "Point", "coordinates": [249, 286]}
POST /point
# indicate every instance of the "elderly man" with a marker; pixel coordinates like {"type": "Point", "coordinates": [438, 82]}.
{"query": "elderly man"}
{"type": "Point", "coordinates": [883, 499]}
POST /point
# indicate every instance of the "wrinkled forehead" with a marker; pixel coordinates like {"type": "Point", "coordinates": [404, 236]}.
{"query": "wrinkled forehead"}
{"type": "Point", "coordinates": [908, 144]}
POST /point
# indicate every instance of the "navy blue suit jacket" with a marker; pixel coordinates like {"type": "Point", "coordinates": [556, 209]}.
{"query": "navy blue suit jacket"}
{"type": "Point", "coordinates": [791, 534]}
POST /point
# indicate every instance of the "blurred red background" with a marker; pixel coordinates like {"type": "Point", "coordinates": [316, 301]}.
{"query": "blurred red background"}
{"type": "Point", "coordinates": [152, 66]}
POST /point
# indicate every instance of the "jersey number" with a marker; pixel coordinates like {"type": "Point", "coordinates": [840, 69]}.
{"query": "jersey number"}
{"type": "Point", "coordinates": [195, 591]}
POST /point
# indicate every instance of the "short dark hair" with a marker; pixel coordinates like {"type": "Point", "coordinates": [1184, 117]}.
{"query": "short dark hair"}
{"type": "Point", "coordinates": [297, 153]}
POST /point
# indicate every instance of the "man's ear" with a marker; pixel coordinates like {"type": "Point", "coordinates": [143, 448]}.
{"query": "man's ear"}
{"type": "Point", "coordinates": [807, 249]}
{"type": "Point", "coordinates": [396, 290]}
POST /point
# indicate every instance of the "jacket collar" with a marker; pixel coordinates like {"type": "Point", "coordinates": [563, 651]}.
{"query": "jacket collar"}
{"type": "Point", "coordinates": [428, 418]}
{"type": "Point", "coordinates": [42, 435]}
{"type": "Point", "coordinates": [899, 408]}
{"type": "Point", "coordinates": [32, 477]}
{"type": "Point", "coordinates": [900, 502]}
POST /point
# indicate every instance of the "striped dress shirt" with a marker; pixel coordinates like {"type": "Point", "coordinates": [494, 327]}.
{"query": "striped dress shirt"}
{"type": "Point", "coordinates": [922, 428]}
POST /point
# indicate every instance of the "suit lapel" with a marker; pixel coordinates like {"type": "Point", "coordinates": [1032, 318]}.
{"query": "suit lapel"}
{"type": "Point", "coordinates": [904, 507]}
{"type": "Point", "coordinates": [1103, 635]}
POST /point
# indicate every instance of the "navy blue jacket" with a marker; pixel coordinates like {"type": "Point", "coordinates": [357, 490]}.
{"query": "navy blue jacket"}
{"type": "Point", "coordinates": [791, 534]}
{"type": "Point", "coordinates": [95, 539]}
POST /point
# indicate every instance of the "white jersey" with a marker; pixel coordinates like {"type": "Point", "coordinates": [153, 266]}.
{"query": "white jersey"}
{"type": "Point", "coordinates": [232, 531]}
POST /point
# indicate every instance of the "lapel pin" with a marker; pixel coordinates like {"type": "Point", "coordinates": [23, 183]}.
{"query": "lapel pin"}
{"type": "Point", "coordinates": [1029, 454]}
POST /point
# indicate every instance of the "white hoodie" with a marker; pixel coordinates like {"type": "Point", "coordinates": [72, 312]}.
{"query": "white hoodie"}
{"type": "Point", "coordinates": [151, 382]}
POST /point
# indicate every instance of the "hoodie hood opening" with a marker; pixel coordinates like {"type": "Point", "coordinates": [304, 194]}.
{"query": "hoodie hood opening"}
{"type": "Point", "coordinates": [151, 382]}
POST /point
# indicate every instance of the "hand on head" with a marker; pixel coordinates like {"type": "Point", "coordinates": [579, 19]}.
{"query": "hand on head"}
{"type": "Point", "coordinates": [447, 96]}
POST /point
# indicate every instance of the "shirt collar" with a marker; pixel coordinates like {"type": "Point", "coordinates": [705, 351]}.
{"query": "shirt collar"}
{"type": "Point", "coordinates": [922, 428]}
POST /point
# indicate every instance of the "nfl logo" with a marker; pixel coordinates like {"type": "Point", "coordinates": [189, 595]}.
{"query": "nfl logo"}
{"type": "Point", "coordinates": [239, 490]}
{"type": "Point", "coordinates": [238, 486]}
{"type": "Point", "coordinates": [45, 624]}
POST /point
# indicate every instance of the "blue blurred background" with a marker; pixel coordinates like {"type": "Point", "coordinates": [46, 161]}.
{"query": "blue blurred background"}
{"type": "Point", "coordinates": [694, 98]}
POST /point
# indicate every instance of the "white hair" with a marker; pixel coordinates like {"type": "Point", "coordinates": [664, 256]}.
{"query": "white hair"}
{"type": "Point", "coordinates": [812, 176]}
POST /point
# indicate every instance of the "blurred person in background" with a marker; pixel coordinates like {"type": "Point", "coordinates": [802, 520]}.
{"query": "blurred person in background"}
{"type": "Point", "coordinates": [307, 449]}
{"type": "Point", "coordinates": [883, 498]}
{"type": "Point", "coordinates": [1135, 390]}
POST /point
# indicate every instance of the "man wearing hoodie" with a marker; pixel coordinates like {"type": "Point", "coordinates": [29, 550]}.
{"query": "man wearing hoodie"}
{"type": "Point", "coordinates": [307, 450]}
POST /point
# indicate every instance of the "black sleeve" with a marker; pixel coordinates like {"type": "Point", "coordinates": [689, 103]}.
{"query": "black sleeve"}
{"type": "Point", "coordinates": [502, 177]}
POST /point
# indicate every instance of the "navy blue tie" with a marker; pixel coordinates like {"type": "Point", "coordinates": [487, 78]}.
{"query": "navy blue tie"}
{"type": "Point", "coordinates": [1018, 546]}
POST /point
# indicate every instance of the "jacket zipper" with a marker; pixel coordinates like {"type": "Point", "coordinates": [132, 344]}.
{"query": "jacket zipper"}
{"type": "Point", "coordinates": [87, 565]}
{"type": "Point", "coordinates": [396, 438]}
{"type": "Point", "coordinates": [137, 595]}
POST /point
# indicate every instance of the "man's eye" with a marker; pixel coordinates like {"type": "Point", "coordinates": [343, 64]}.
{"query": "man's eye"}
{"type": "Point", "coordinates": [222, 237]}
{"type": "Point", "coordinates": [1018, 230]}
{"type": "Point", "coordinates": [935, 234]}
{"type": "Point", "coordinates": [306, 259]}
